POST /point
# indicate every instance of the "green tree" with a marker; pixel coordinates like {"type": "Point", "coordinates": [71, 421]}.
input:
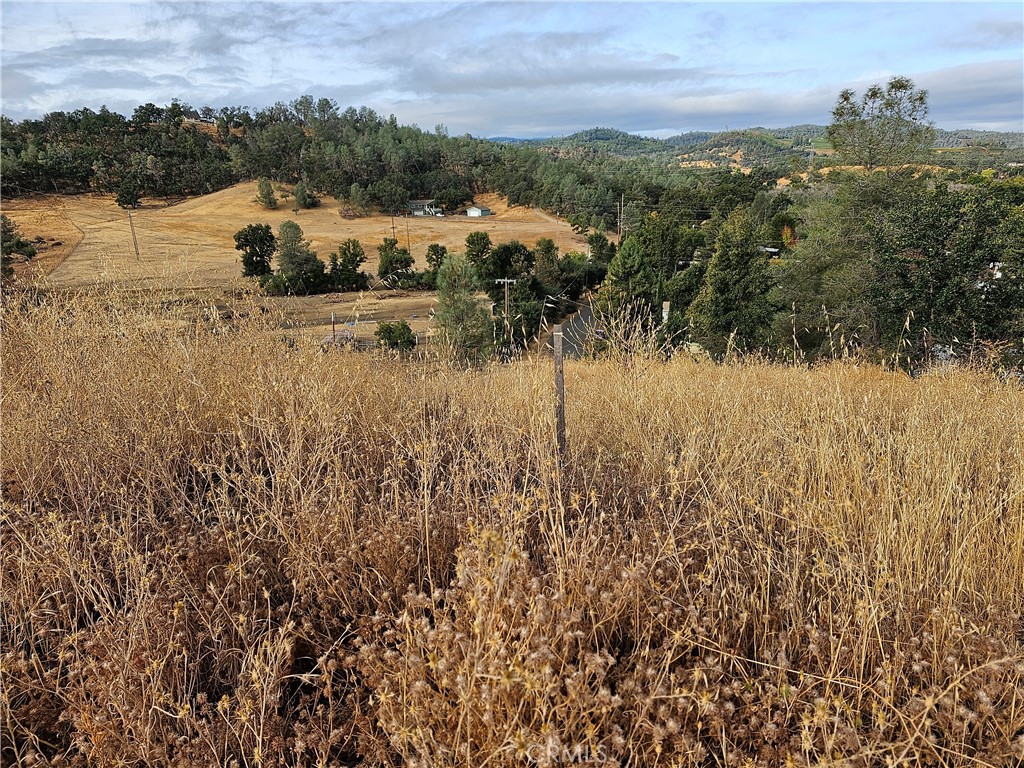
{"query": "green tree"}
{"type": "Point", "coordinates": [734, 299]}
{"type": "Point", "coordinates": [129, 193]}
{"type": "Point", "coordinates": [512, 260]}
{"type": "Point", "coordinates": [824, 280]}
{"type": "Point", "coordinates": [265, 193]}
{"type": "Point", "coordinates": [304, 198]}
{"type": "Point", "coordinates": [452, 198]}
{"type": "Point", "coordinates": [359, 198]}
{"type": "Point", "coordinates": [389, 196]}
{"type": "Point", "coordinates": [297, 264]}
{"type": "Point", "coordinates": [631, 280]}
{"type": "Point", "coordinates": [478, 248]}
{"type": "Point", "coordinates": [344, 273]}
{"type": "Point", "coordinates": [397, 336]}
{"type": "Point", "coordinates": [257, 244]}
{"type": "Point", "coordinates": [684, 286]}
{"type": "Point", "coordinates": [601, 250]}
{"type": "Point", "coordinates": [941, 256]}
{"type": "Point", "coordinates": [394, 261]}
{"type": "Point", "coordinates": [546, 266]}
{"type": "Point", "coordinates": [436, 254]}
{"type": "Point", "coordinates": [463, 326]}
{"type": "Point", "coordinates": [885, 128]}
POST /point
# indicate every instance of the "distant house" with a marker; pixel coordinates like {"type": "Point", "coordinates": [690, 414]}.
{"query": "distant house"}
{"type": "Point", "coordinates": [478, 210]}
{"type": "Point", "coordinates": [423, 208]}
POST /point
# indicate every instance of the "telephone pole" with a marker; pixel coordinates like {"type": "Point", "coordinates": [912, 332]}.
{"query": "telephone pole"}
{"type": "Point", "coordinates": [134, 240]}
{"type": "Point", "coordinates": [506, 281]}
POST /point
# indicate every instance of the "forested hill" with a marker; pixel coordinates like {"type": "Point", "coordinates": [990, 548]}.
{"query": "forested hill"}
{"type": "Point", "coordinates": [355, 155]}
{"type": "Point", "coordinates": [596, 140]}
{"type": "Point", "coordinates": [752, 146]}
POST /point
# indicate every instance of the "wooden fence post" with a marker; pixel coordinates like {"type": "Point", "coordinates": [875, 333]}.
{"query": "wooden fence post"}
{"type": "Point", "coordinates": [559, 391]}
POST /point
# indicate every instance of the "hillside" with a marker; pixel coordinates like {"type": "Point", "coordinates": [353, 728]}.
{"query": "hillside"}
{"type": "Point", "coordinates": [190, 245]}
{"type": "Point", "coordinates": [751, 147]}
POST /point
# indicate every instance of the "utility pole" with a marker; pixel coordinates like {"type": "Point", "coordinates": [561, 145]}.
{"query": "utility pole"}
{"type": "Point", "coordinates": [506, 281]}
{"type": "Point", "coordinates": [134, 240]}
{"type": "Point", "coordinates": [393, 235]}
{"type": "Point", "coordinates": [408, 242]}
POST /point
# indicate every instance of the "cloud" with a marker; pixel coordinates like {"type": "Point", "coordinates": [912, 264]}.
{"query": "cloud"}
{"type": "Point", "coordinates": [508, 68]}
{"type": "Point", "coordinates": [989, 94]}
{"type": "Point", "coordinates": [988, 35]}
{"type": "Point", "coordinates": [18, 85]}
{"type": "Point", "coordinates": [90, 50]}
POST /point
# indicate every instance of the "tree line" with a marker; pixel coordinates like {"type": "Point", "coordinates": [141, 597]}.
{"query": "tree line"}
{"type": "Point", "coordinates": [884, 258]}
{"type": "Point", "coordinates": [354, 155]}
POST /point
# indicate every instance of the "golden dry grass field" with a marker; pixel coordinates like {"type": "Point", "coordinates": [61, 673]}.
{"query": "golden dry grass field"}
{"type": "Point", "coordinates": [223, 549]}
{"type": "Point", "coordinates": [189, 246]}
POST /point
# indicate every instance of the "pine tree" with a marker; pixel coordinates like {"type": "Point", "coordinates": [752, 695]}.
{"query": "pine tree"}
{"type": "Point", "coordinates": [265, 193]}
{"type": "Point", "coordinates": [734, 299]}
{"type": "Point", "coordinates": [297, 263]}
{"type": "Point", "coordinates": [464, 328]}
{"type": "Point", "coordinates": [631, 279]}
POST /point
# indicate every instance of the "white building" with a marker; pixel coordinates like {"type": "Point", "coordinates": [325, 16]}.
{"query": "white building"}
{"type": "Point", "coordinates": [478, 210]}
{"type": "Point", "coordinates": [424, 208]}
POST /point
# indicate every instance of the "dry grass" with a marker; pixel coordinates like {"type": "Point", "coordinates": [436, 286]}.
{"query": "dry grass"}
{"type": "Point", "coordinates": [189, 248]}
{"type": "Point", "coordinates": [220, 549]}
{"type": "Point", "coordinates": [190, 244]}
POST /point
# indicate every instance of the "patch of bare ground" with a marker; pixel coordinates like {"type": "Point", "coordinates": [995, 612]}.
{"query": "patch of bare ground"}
{"type": "Point", "coordinates": [45, 221]}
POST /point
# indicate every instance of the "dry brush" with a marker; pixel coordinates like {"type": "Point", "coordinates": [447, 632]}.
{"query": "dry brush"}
{"type": "Point", "coordinates": [224, 549]}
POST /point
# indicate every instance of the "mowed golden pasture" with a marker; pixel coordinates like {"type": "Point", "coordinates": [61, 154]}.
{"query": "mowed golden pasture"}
{"type": "Point", "coordinates": [189, 246]}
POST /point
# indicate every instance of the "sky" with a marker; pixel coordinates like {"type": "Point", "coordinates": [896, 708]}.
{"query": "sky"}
{"type": "Point", "coordinates": [525, 69]}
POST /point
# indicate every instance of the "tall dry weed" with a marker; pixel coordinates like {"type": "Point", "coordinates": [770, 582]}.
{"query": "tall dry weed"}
{"type": "Point", "coordinates": [220, 548]}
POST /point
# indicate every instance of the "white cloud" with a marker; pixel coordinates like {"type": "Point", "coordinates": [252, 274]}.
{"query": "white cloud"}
{"type": "Point", "coordinates": [510, 68]}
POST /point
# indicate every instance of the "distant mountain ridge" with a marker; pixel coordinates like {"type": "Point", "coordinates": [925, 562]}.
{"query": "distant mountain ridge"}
{"type": "Point", "coordinates": [623, 143]}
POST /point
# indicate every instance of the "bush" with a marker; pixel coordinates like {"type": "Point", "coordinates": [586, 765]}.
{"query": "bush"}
{"type": "Point", "coordinates": [397, 335]}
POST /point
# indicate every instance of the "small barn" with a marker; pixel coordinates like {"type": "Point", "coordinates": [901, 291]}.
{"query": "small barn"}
{"type": "Point", "coordinates": [478, 210]}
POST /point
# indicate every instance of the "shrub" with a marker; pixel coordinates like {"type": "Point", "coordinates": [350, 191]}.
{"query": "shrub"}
{"type": "Point", "coordinates": [397, 336]}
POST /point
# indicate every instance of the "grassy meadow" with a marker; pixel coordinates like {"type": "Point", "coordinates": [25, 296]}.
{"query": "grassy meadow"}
{"type": "Point", "coordinates": [222, 549]}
